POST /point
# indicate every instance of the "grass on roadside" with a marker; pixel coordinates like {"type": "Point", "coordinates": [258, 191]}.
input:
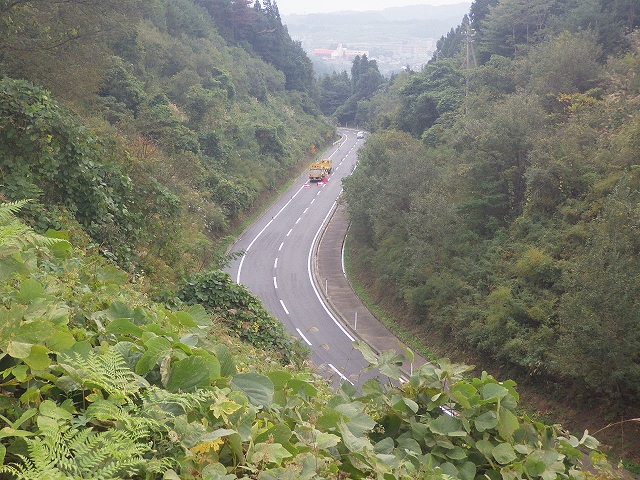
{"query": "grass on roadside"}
{"type": "Point", "coordinates": [407, 338]}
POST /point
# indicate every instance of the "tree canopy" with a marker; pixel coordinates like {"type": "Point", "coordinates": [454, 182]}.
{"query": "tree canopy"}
{"type": "Point", "coordinates": [495, 204]}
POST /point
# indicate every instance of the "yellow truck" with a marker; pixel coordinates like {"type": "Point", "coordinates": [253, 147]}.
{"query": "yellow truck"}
{"type": "Point", "coordinates": [319, 170]}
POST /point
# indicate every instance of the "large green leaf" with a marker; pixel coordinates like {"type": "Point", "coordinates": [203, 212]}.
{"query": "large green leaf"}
{"type": "Point", "coordinates": [485, 447]}
{"type": "Point", "coordinates": [124, 326]}
{"type": "Point", "coordinates": [36, 356]}
{"type": "Point", "coordinates": [30, 290]}
{"type": "Point", "coordinates": [356, 420]}
{"type": "Point", "coordinates": [464, 393]}
{"type": "Point", "coordinates": [211, 362]}
{"type": "Point", "coordinates": [61, 247]}
{"type": "Point", "coordinates": [61, 340]}
{"type": "Point", "coordinates": [279, 378]}
{"type": "Point", "coordinates": [302, 387]}
{"type": "Point", "coordinates": [200, 315]}
{"type": "Point", "coordinates": [494, 391]}
{"type": "Point", "coordinates": [10, 321]}
{"type": "Point", "coordinates": [216, 434]}
{"type": "Point", "coordinates": [36, 331]}
{"type": "Point", "coordinates": [504, 453]}
{"type": "Point", "coordinates": [354, 442]}
{"type": "Point", "coordinates": [120, 310]}
{"type": "Point", "coordinates": [184, 319]}
{"type": "Point", "coordinates": [188, 374]}
{"type": "Point", "coordinates": [589, 441]}
{"type": "Point", "coordinates": [486, 421]}
{"type": "Point", "coordinates": [507, 424]}
{"type": "Point", "coordinates": [265, 453]}
{"type": "Point", "coordinates": [257, 388]}
{"type": "Point", "coordinates": [109, 274]}
{"type": "Point", "coordinates": [13, 432]}
{"type": "Point", "coordinates": [227, 363]}
{"type": "Point", "coordinates": [215, 471]}
{"type": "Point", "coordinates": [534, 467]}
{"type": "Point", "coordinates": [467, 471]}
{"type": "Point", "coordinates": [157, 348]}
{"type": "Point", "coordinates": [447, 425]}
{"type": "Point", "coordinates": [456, 453]}
{"type": "Point", "coordinates": [326, 440]}
{"type": "Point", "coordinates": [367, 352]}
{"type": "Point", "coordinates": [50, 409]}
{"type": "Point", "coordinates": [278, 433]}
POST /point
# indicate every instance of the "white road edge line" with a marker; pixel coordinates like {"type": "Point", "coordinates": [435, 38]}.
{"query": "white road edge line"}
{"type": "Point", "coordinates": [344, 241]}
{"type": "Point", "coordinates": [339, 373]}
{"type": "Point", "coordinates": [304, 338]}
{"type": "Point", "coordinates": [284, 308]}
{"type": "Point", "coordinates": [310, 273]}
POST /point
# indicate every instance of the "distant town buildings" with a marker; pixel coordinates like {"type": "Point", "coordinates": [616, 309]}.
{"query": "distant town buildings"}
{"type": "Point", "coordinates": [339, 53]}
{"type": "Point", "coordinates": [391, 56]}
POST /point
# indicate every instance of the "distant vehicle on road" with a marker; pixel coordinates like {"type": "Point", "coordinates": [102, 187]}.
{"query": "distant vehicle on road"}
{"type": "Point", "coordinates": [360, 135]}
{"type": "Point", "coordinates": [319, 170]}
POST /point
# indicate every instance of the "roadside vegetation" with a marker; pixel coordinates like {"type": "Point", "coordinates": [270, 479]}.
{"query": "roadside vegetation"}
{"type": "Point", "coordinates": [99, 382]}
{"type": "Point", "coordinates": [136, 135]}
{"type": "Point", "coordinates": [495, 209]}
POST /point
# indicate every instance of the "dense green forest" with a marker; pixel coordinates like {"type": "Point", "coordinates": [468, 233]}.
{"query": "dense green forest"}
{"type": "Point", "coordinates": [496, 207]}
{"type": "Point", "coordinates": [137, 135]}
{"type": "Point", "coordinates": [152, 126]}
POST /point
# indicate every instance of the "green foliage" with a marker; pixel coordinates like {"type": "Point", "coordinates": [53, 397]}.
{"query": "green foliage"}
{"type": "Point", "coordinates": [15, 235]}
{"type": "Point", "coordinates": [573, 59]}
{"type": "Point", "coordinates": [428, 95]}
{"type": "Point", "coordinates": [98, 382]}
{"type": "Point", "coordinates": [601, 298]}
{"type": "Point", "coordinates": [163, 147]}
{"type": "Point", "coordinates": [46, 155]}
{"type": "Point", "coordinates": [335, 89]}
{"type": "Point", "coordinates": [513, 234]}
{"type": "Point", "coordinates": [122, 88]}
{"type": "Point", "coordinates": [63, 46]}
{"type": "Point", "coordinates": [241, 311]}
{"type": "Point", "coordinates": [262, 29]}
{"type": "Point", "coordinates": [364, 82]}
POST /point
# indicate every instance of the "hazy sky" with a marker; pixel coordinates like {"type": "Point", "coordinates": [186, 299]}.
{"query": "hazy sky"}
{"type": "Point", "coordinates": [287, 7]}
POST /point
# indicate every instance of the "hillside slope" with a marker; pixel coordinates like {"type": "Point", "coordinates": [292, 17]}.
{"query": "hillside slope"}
{"type": "Point", "coordinates": [495, 208]}
{"type": "Point", "coordinates": [171, 126]}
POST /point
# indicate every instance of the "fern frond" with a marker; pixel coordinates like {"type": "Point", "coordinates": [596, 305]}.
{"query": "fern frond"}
{"type": "Point", "coordinates": [65, 453]}
{"type": "Point", "coordinates": [178, 403]}
{"type": "Point", "coordinates": [108, 372]}
{"type": "Point", "coordinates": [15, 235]}
{"type": "Point", "coordinates": [9, 209]}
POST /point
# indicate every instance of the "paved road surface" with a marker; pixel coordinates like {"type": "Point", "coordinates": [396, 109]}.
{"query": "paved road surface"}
{"type": "Point", "coordinates": [300, 279]}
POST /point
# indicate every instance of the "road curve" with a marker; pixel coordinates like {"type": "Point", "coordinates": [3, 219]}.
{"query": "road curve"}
{"type": "Point", "coordinates": [278, 265]}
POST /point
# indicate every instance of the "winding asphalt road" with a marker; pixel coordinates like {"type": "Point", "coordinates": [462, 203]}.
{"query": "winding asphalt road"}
{"type": "Point", "coordinates": [278, 261]}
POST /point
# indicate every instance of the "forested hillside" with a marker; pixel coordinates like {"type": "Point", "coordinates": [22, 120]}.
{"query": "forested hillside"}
{"type": "Point", "coordinates": [134, 136]}
{"type": "Point", "coordinates": [496, 208]}
{"type": "Point", "coordinates": [150, 128]}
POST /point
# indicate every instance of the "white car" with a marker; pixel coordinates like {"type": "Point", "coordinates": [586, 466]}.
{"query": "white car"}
{"type": "Point", "coordinates": [360, 135]}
